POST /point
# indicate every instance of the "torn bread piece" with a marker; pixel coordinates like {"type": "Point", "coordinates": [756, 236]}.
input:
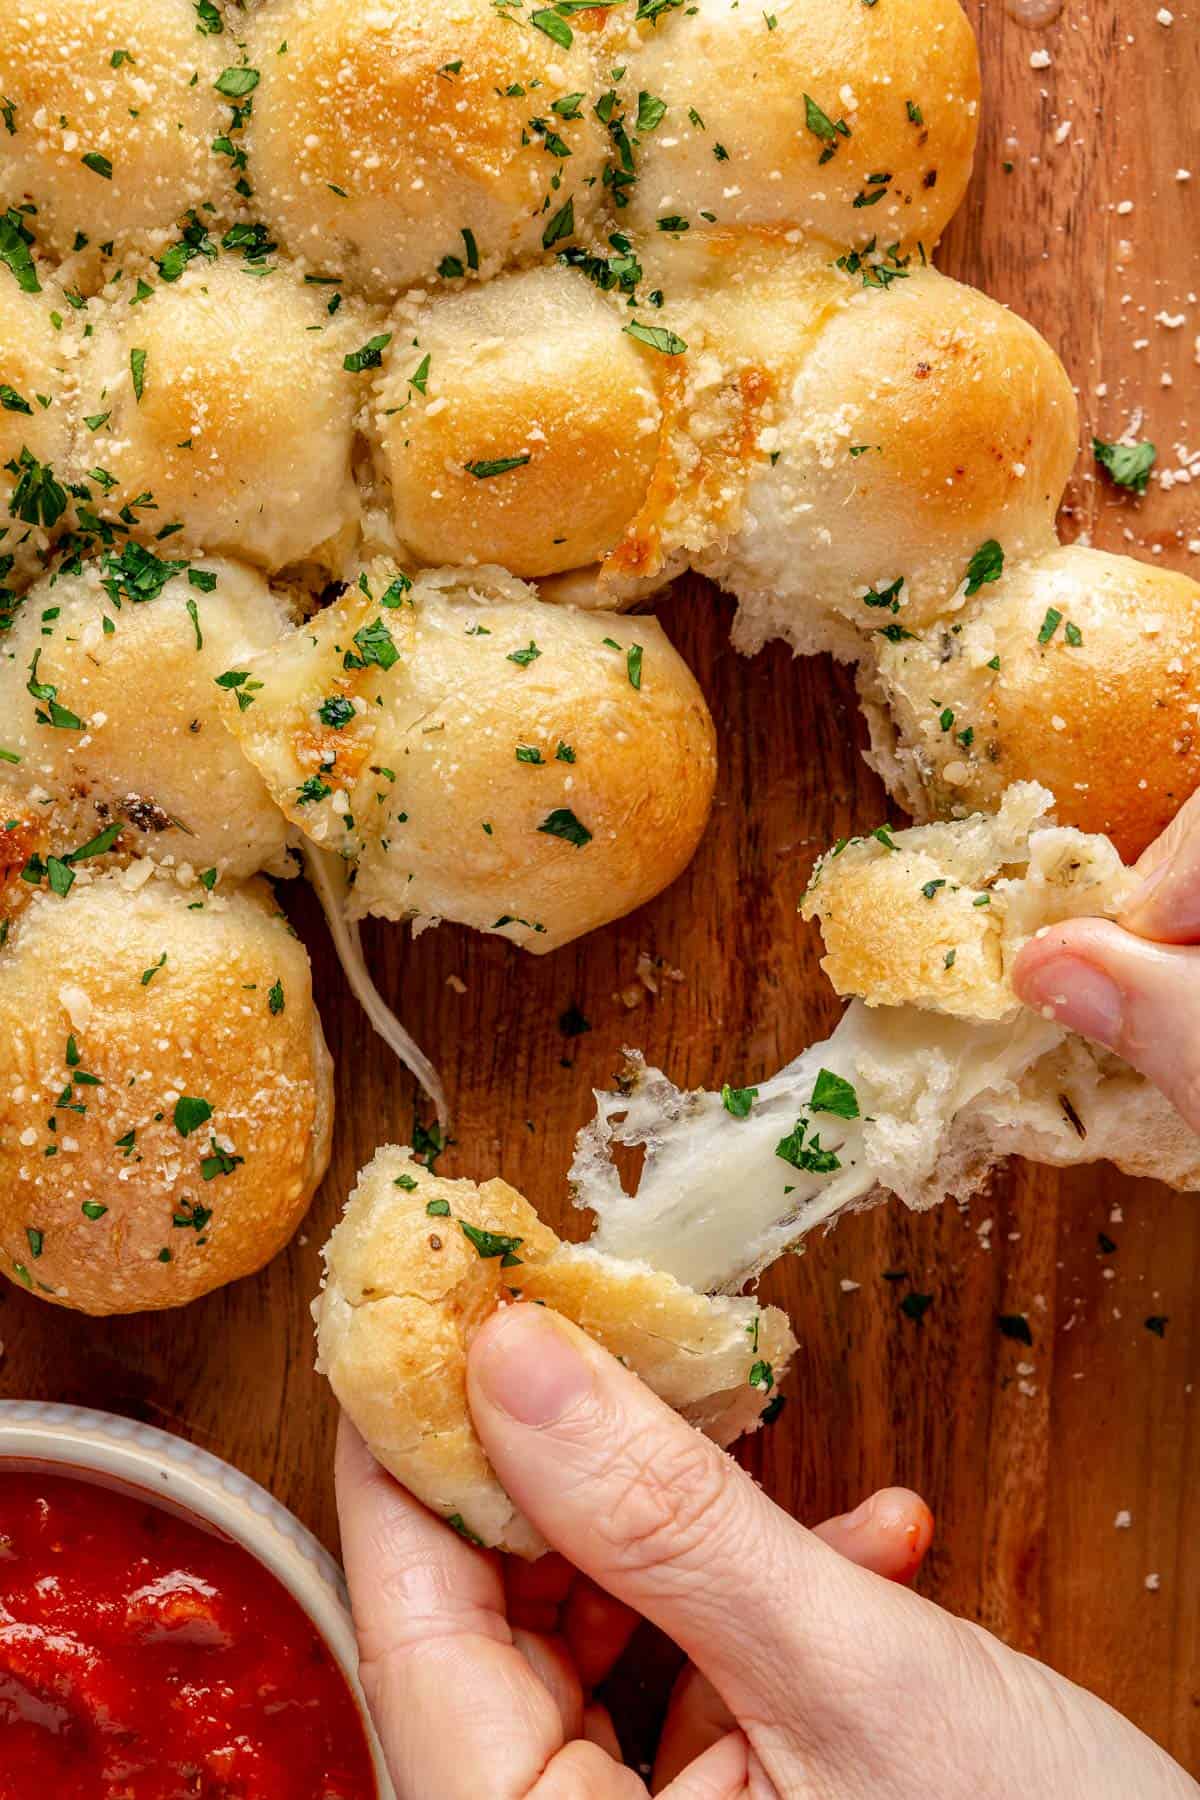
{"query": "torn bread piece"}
{"type": "Point", "coordinates": [934, 1073]}
{"type": "Point", "coordinates": [417, 1264]}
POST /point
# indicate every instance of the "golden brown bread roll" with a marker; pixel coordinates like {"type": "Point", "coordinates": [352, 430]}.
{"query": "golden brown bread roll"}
{"type": "Point", "coordinates": [416, 1265]}
{"type": "Point", "coordinates": [894, 95]}
{"type": "Point", "coordinates": [391, 136]}
{"type": "Point", "coordinates": [1076, 670]}
{"type": "Point", "coordinates": [533, 370]}
{"type": "Point", "coordinates": [479, 755]}
{"type": "Point", "coordinates": [240, 423]}
{"type": "Point", "coordinates": [110, 704]}
{"type": "Point", "coordinates": [166, 1096]}
{"type": "Point", "coordinates": [114, 112]}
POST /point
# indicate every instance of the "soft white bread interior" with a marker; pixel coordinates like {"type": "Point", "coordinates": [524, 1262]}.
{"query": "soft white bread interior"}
{"type": "Point", "coordinates": [934, 1073]}
{"type": "Point", "coordinates": [166, 1094]}
{"type": "Point", "coordinates": [477, 754]}
{"type": "Point", "coordinates": [415, 1266]}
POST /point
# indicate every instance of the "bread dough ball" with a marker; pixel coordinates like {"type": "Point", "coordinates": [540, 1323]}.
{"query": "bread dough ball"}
{"type": "Point", "coordinates": [1077, 670]}
{"type": "Point", "coordinates": [134, 687]}
{"type": "Point", "coordinates": [35, 388]}
{"type": "Point", "coordinates": [391, 134]}
{"type": "Point", "coordinates": [111, 135]}
{"type": "Point", "coordinates": [482, 756]}
{"type": "Point", "coordinates": [166, 1097]}
{"type": "Point", "coordinates": [935, 917]}
{"type": "Point", "coordinates": [532, 366]}
{"type": "Point", "coordinates": [243, 431]}
{"type": "Point", "coordinates": [416, 1266]}
{"type": "Point", "coordinates": [925, 421]}
{"type": "Point", "coordinates": [739, 146]}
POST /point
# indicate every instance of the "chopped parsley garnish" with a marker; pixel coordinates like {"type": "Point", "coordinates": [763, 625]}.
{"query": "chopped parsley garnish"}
{"type": "Point", "coordinates": [37, 498]}
{"type": "Point", "coordinates": [15, 239]}
{"type": "Point", "coordinates": [738, 1101]}
{"type": "Point", "coordinates": [370, 356]}
{"type": "Point", "coordinates": [500, 465]}
{"type": "Point", "coordinates": [554, 27]}
{"type": "Point", "coordinates": [492, 1243]}
{"type": "Point", "coordinates": [633, 665]}
{"type": "Point", "coordinates": [219, 1162]}
{"type": "Point", "coordinates": [529, 753]}
{"type": "Point", "coordinates": [98, 164]}
{"type": "Point", "coordinates": [562, 823]}
{"type": "Point", "coordinates": [137, 369]}
{"type": "Point", "coordinates": [11, 401]}
{"type": "Point", "coordinates": [190, 1113]}
{"type": "Point", "coordinates": [523, 658]}
{"type": "Point", "coordinates": [336, 711]}
{"type": "Point", "coordinates": [762, 1375]}
{"type": "Point", "coordinates": [832, 1094]}
{"type": "Point", "coordinates": [312, 790]}
{"type": "Point", "coordinates": [59, 716]}
{"type": "Point", "coordinates": [235, 84]}
{"type": "Point", "coordinates": [561, 226]}
{"type": "Point", "coordinates": [275, 999]}
{"type": "Point", "coordinates": [208, 19]}
{"type": "Point", "coordinates": [986, 565]}
{"type": "Point", "coordinates": [804, 1153]}
{"type": "Point", "coordinates": [824, 128]}
{"type": "Point", "coordinates": [1049, 625]}
{"type": "Point", "coordinates": [375, 645]}
{"type": "Point", "coordinates": [657, 337]}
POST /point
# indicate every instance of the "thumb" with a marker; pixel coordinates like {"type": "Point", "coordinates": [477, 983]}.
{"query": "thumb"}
{"type": "Point", "coordinates": [1139, 999]}
{"type": "Point", "coordinates": [660, 1517]}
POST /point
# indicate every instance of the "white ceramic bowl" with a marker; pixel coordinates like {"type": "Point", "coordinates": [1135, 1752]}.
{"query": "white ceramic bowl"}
{"type": "Point", "coordinates": [165, 1468]}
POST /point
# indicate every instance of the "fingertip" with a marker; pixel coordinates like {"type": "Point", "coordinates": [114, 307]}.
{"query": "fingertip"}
{"type": "Point", "coordinates": [889, 1534]}
{"type": "Point", "coordinates": [1066, 973]}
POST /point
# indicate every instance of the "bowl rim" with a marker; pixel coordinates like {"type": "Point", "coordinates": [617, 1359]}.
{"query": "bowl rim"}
{"type": "Point", "coordinates": [170, 1470]}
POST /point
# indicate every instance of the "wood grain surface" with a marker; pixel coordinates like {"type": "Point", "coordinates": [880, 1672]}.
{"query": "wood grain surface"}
{"type": "Point", "coordinates": [1027, 1455]}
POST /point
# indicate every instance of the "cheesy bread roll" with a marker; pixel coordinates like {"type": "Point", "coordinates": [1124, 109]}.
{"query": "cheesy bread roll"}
{"type": "Point", "coordinates": [481, 756]}
{"type": "Point", "coordinates": [166, 1098]}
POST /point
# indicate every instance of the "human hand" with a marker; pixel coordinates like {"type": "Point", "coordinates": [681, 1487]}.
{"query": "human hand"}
{"type": "Point", "coordinates": [1134, 986]}
{"type": "Point", "coordinates": [810, 1675]}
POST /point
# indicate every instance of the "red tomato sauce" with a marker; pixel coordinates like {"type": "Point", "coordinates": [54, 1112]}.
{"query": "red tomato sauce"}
{"type": "Point", "coordinates": [143, 1658]}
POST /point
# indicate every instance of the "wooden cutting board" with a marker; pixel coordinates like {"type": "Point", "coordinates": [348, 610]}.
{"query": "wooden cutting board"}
{"type": "Point", "coordinates": [1027, 1454]}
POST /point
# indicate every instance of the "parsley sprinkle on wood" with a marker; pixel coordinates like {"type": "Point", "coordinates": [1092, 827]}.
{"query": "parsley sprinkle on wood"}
{"type": "Point", "coordinates": [1126, 465]}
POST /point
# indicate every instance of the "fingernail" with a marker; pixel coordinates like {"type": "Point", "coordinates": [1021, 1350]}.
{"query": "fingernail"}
{"type": "Point", "coordinates": [528, 1367]}
{"type": "Point", "coordinates": [1078, 995]}
{"type": "Point", "coordinates": [862, 1515]}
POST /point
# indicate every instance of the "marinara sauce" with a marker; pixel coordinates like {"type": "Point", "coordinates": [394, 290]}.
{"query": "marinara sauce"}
{"type": "Point", "coordinates": [143, 1658]}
